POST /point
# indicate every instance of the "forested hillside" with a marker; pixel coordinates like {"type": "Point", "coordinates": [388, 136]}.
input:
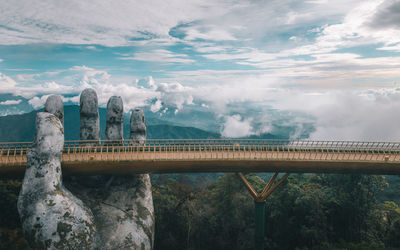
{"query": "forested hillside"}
{"type": "Point", "coordinates": [21, 127]}
{"type": "Point", "coordinates": [306, 212]}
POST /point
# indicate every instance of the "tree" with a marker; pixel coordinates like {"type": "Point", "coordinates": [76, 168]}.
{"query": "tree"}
{"type": "Point", "coordinates": [10, 226]}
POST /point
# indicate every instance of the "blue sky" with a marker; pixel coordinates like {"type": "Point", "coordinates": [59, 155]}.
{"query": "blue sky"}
{"type": "Point", "coordinates": [248, 67]}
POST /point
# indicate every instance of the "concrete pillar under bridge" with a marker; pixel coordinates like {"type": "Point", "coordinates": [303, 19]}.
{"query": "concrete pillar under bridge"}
{"type": "Point", "coordinates": [259, 205]}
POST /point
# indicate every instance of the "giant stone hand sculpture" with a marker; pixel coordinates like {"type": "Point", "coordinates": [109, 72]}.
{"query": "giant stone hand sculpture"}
{"type": "Point", "coordinates": [138, 126]}
{"type": "Point", "coordinates": [89, 114]}
{"type": "Point", "coordinates": [52, 217]}
{"type": "Point", "coordinates": [115, 119]}
{"type": "Point", "coordinates": [55, 106]}
{"type": "Point", "coordinates": [120, 208]}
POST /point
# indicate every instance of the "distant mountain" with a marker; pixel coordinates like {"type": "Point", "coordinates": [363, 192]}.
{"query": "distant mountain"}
{"type": "Point", "coordinates": [22, 127]}
{"type": "Point", "coordinates": [176, 132]}
{"type": "Point", "coordinates": [19, 128]}
{"type": "Point", "coordinates": [14, 128]}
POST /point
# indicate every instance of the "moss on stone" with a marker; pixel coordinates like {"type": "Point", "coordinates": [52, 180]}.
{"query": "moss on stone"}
{"type": "Point", "coordinates": [128, 243]}
{"type": "Point", "coordinates": [146, 230]}
{"type": "Point", "coordinates": [88, 225]}
{"type": "Point", "coordinates": [38, 175]}
{"type": "Point", "coordinates": [48, 243]}
{"type": "Point", "coordinates": [51, 203]}
{"type": "Point", "coordinates": [142, 211]}
{"type": "Point", "coordinates": [63, 229]}
{"type": "Point", "coordinates": [141, 193]}
{"type": "Point", "coordinates": [69, 239]}
{"type": "Point", "coordinates": [67, 215]}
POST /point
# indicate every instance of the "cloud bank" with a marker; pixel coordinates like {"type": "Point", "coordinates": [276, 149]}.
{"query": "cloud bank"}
{"type": "Point", "coordinates": [368, 114]}
{"type": "Point", "coordinates": [11, 102]}
{"type": "Point", "coordinates": [256, 66]}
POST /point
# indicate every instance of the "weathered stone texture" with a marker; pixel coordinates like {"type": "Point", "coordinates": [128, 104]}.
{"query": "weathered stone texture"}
{"type": "Point", "coordinates": [137, 126]}
{"type": "Point", "coordinates": [89, 116]}
{"type": "Point", "coordinates": [138, 135]}
{"type": "Point", "coordinates": [54, 105]}
{"type": "Point", "coordinates": [122, 205]}
{"type": "Point", "coordinates": [123, 210]}
{"type": "Point", "coordinates": [108, 212]}
{"type": "Point", "coordinates": [115, 119]}
{"type": "Point", "coordinates": [52, 218]}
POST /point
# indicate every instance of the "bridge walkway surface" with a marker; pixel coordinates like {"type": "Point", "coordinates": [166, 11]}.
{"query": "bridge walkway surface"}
{"type": "Point", "coordinates": [214, 155]}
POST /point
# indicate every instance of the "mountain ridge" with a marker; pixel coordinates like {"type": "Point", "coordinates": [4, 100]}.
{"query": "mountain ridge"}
{"type": "Point", "coordinates": [20, 128]}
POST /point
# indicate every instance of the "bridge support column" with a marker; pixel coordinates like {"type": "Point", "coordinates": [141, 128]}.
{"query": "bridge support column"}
{"type": "Point", "coordinates": [259, 219]}
{"type": "Point", "coordinates": [259, 206]}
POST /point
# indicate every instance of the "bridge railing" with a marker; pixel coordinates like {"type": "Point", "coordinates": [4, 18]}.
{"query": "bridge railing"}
{"type": "Point", "coordinates": [16, 150]}
{"type": "Point", "coordinates": [239, 145]}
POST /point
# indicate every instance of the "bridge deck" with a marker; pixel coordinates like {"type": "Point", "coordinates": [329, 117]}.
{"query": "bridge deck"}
{"type": "Point", "coordinates": [173, 156]}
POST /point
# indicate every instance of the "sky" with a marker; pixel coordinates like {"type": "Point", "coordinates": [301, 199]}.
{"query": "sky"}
{"type": "Point", "coordinates": [328, 70]}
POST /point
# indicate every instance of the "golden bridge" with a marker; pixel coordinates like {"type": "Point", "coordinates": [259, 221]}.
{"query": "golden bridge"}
{"type": "Point", "coordinates": [213, 155]}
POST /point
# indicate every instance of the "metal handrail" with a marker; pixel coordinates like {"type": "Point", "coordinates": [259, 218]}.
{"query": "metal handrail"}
{"type": "Point", "coordinates": [12, 153]}
{"type": "Point", "coordinates": [162, 155]}
{"type": "Point", "coordinates": [174, 145]}
{"type": "Point", "coordinates": [295, 144]}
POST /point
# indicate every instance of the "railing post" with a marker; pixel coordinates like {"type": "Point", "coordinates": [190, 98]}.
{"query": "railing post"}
{"type": "Point", "coordinates": [8, 154]}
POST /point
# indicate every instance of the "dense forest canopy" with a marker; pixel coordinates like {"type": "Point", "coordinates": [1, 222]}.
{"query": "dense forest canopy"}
{"type": "Point", "coordinates": [307, 212]}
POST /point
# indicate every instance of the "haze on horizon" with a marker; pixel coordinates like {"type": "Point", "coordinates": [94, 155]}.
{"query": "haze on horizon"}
{"type": "Point", "coordinates": [244, 67]}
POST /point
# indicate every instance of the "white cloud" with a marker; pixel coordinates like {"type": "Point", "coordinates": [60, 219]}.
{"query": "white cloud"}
{"type": "Point", "coordinates": [365, 115]}
{"type": "Point", "coordinates": [175, 94]}
{"type": "Point", "coordinates": [11, 112]}
{"type": "Point", "coordinates": [362, 111]}
{"type": "Point", "coordinates": [302, 72]}
{"type": "Point", "coordinates": [395, 47]}
{"type": "Point", "coordinates": [387, 14]}
{"type": "Point", "coordinates": [242, 24]}
{"type": "Point", "coordinates": [317, 1]}
{"type": "Point", "coordinates": [11, 102]}
{"type": "Point", "coordinates": [246, 54]}
{"type": "Point", "coordinates": [98, 22]}
{"type": "Point", "coordinates": [7, 84]}
{"type": "Point", "coordinates": [202, 47]}
{"type": "Point", "coordinates": [221, 88]}
{"type": "Point", "coordinates": [353, 117]}
{"type": "Point", "coordinates": [160, 55]}
{"type": "Point", "coordinates": [338, 115]}
{"type": "Point", "coordinates": [30, 85]}
{"type": "Point", "coordinates": [143, 92]}
{"type": "Point", "coordinates": [120, 23]}
{"type": "Point", "coordinates": [235, 126]}
{"type": "Point", "coordinates": [148, 83]}
{"type": "Point", "coordinates": [70, 82]}
{"type": "Point", "coordinates": [38, 102]}
{"type": "Point", "coordinates": [359, 27]}
{"type": "Point", "coordinates": [156, 106]}
{"type": "Point", "coordinates": [209, 33]}
{"type": "Point", "coordinates": [74, 99]}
